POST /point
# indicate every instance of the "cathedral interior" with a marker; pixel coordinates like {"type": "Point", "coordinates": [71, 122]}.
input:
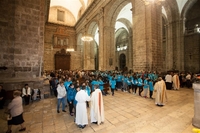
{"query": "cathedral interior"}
{"type": "Point", "coordinates": [137, 35]}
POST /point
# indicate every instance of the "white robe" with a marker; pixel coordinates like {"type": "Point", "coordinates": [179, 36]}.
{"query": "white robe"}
{"type": "Point", "coordinates": [176, 82]}
{"type": "Point", "coordinates": [97, 107]}
{"type": "Point", "coordinates": [160, 89]}
{"type": "Point", "coordinates": [81, 109]}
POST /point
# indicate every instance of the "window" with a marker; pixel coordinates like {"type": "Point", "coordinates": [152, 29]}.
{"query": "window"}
{"type": "Point", "coordinates": [60, 15]}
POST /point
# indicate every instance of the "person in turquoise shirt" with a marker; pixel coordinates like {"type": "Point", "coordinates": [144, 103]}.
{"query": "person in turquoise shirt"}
{"type": "Point", "coordinates": [101, 85]}
{"type": "Point", "coordinates": [129, 83]}
{"type": "Point", "coordinates": [112, 85]}
{"type": "Point", "coordinates": [66, 84]}
{"type": "Point", "coordinates": [155, 77]}
{"type": "Point", "coordinates": [140, 85]}
{"type": "Point", "coordinates": [125, 83]}
{"type": "Point", "coordinates": [87, 88]}
{"type": "Point", "coordinates": [70, 98]}
{"type": "Point", "coordinates": [135, 84]}
{"type": "Point", "coordinates": [151, 88]}
{"type": "Point", "coordinates": [146, 87]}
{"type": "Point", "coordinates": [150, 76]}
{"type": "Point", "coordinates": [119, 79]}
{"type": "Point", "coordinates": [94, 82]}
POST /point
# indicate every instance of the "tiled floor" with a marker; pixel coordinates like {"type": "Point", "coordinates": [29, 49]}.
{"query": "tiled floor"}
{"type": "Point", "coordinates": [124, 113]}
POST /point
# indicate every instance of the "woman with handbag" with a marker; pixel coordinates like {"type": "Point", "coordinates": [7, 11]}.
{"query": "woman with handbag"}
{"type": "Point", "coordinates": [16, 112]}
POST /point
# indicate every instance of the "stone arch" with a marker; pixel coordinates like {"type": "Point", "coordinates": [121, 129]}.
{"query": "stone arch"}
{"type": "Point", "coordinates": [174, 47]}
{"type": "Point", "coordinates": [172, 10]}
{"type": "Point", "coordinates": [92, 27]}
{"type": "Point", "coordinates": [91, 53]}
{"type": "Point", "coordinates": [126, 23]}
{"type": "Point", "coordinates": [128, 50]}
{"type": "Point", "coordinates": [79, 42]}
{"type": "Point", "coordinates": [187, 7]}
{"type": "Point", "coordinates": [113, 11]}
{"type": "Point", "coordinates": [191, 17]}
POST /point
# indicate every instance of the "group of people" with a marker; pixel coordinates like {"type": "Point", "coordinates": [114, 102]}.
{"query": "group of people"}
{"type": "Point", "coordinates": [142, 82]}
{"type": "Point", "coordinates": [15, 112]}
{"type": "Point", "coordinates": [145, 83]}
{"type": "Point", "coordinates": [175, 80]}
{"type": "Point", "coordinates": [127, 82]}
{"type": "Point", "coordinates": [77, 99]}
{"type": "Point", "coordinates": [82, 89]}
{"type": "Point", "coordinates": [14, 109]}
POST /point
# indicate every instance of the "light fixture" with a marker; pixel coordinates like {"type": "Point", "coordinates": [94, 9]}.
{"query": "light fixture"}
{"type": "Point", "coordinates": [118, 49]}
{"type": "Point", "coordinates": [197, 29]}
{"type": "Point", "coordinates": [87, 38]}
{"type": "Point", "coordinates": [70, 49]}
{"type": "Point", "coordinates": [125, 47]}
{"type": "Point", "coordinates": [152, 1]}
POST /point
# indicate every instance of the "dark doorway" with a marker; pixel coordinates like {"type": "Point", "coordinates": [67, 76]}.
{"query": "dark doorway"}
{"type": "Point", "coordinates": [62, 60]}
{"type": "Point", "coordinates": [122, 61]}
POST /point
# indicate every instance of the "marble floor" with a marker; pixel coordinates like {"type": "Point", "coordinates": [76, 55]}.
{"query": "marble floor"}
{"type": "Point", "coordinates": [124, 113]}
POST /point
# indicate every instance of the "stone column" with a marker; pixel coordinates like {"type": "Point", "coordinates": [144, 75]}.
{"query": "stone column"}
{"type": "Point", "coordinates": [178, 45]}
{"type": "Point", "coordinates": [87, 57]}
{"type": "Point", "coordinates": [109, 51]}
{"type": "Point", "coordinates": [182, 43]}
{"type": "Point", "coordinates": [130, 53]}
{"type": "Point", "coordinates": [196, 118]}
{"type": "Point", "coordinates": [169, 47]}
{"type": "Point", "coordinates": [147, 36]}
{"type": "Point", "coordinates": [139, 36]}
{"type": "Point", "coordinates": [101, 39]}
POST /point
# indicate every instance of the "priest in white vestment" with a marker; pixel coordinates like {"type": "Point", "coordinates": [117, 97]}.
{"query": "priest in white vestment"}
{"type": "Point", "coordinates": [160, 89]}
{"type": "Point", "coordinates": [81, 109]}
{"type": "Point", "coordinates": [176, 82]}
{"type": "Point", "coordinates": [97, 106]}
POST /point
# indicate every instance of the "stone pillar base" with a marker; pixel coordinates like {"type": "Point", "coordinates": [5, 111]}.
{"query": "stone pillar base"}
{"type": "Point", "coordinates": [196, 122]}
{"type": "Point", "coordinates": [196, 118]}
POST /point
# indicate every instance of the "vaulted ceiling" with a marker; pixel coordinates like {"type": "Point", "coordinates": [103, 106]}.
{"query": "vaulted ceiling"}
{"type": "Point", "coordinates": [74, 6]}
{"type": "Point", "coordinates": [77, 7]}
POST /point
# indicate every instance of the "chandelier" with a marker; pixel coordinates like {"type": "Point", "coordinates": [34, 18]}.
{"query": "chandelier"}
{"type": "Point", "coordinates": [152, 1]}
{"type": "Point", "coordinates": [87, 38]}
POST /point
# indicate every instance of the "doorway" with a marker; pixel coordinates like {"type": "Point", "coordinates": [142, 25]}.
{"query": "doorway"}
{"type": "Point", "coordinates": [122, 61]}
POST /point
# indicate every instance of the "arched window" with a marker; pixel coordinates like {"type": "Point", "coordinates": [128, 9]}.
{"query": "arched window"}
{"type": "Point", "coordinates": [121, 39]}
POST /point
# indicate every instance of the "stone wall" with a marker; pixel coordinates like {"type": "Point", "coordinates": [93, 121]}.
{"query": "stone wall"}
{"type": "Point", "coordinates": [192, 54]}
{"type": "Point", "coordinates": [51, 47]}
{"type": "Point", "coordinates": [76, 60]}
{"type": "Point", "coordinates": [21, 37]}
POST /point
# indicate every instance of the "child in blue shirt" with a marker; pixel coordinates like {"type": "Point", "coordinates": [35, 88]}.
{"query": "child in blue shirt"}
{"type": "Point", "coordinates": [146, 87]}
{"type": "Point", "coordinates": [112, 85]}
